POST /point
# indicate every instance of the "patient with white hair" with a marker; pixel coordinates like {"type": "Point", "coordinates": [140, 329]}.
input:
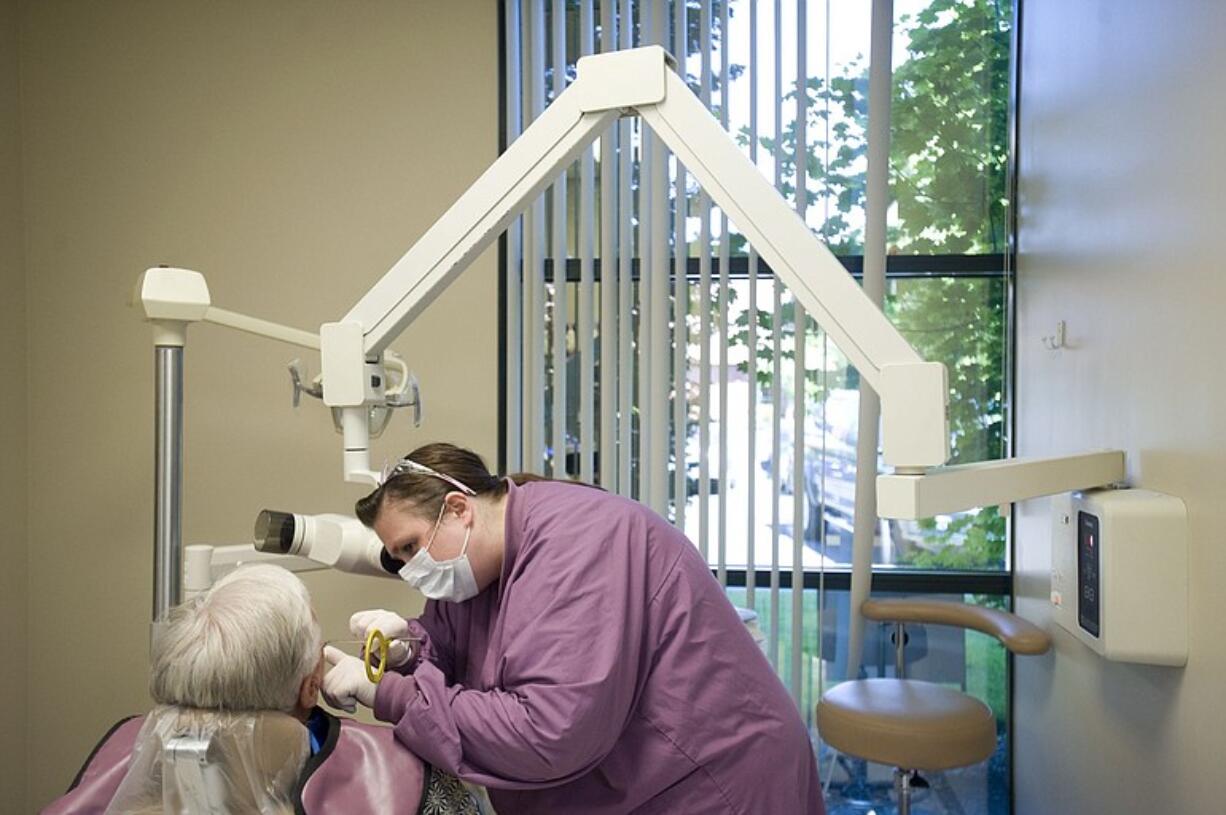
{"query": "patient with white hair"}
{"type": "Point", "coordinates": [236, 675]}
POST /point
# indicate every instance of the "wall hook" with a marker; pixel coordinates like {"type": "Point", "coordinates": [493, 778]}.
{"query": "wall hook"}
{"type": "Point", "coordinates": [1056, 341]}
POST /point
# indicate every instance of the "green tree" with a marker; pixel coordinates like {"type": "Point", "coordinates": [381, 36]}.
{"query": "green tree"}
{"type": "Point", "coordinates": [949, 129]}
{"type": "Point", "coordinates": [949, 154]}
{"type": "Point", "coordinates": [948, 170]}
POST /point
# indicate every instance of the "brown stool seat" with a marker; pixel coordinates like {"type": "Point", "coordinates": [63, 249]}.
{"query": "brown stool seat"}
{"type": "Point", "coordinates": [906, 723]}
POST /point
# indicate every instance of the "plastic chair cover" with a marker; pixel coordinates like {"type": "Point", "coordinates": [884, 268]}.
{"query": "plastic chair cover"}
{"type": "Point", "coordinates": [250, 766]}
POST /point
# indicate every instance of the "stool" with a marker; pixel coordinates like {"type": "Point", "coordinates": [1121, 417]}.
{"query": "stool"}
{"type": "Point", "coordinates": [914, 725]}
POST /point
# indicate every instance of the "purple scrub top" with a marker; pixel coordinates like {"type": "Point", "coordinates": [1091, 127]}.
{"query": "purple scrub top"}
{"type": "Point", "coordinates": [605, 672]}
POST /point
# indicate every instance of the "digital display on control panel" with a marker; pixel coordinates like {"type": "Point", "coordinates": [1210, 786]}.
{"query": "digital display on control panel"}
{"type": "Point", "coordinates": [1088, 572]}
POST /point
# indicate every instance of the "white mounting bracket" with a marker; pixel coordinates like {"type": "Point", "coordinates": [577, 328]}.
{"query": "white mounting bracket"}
{"type": "Point", "coordinates": [945, 490]}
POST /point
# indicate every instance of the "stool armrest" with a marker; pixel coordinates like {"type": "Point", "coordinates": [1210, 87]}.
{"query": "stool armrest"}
{"type": "Point", "coordinates": [1016, 634]}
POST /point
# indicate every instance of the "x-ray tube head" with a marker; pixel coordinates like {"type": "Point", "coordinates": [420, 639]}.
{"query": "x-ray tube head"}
{"type": "Point", "coordinates": [337, 541]}
{"type": "Point", "coordinates": [274, 531]}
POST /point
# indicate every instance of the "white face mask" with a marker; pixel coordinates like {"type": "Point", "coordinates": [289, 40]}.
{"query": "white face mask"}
{"type": "Point", "coordinates": [450, 580]}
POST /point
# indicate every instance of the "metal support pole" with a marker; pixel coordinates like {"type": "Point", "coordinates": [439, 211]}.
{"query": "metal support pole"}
{"type": "Point", "coordinates": [168, 480]}
{"type": "Point", "coordinates": [877, 188]}
{"type": "Point", "coordinates": [902, 782]}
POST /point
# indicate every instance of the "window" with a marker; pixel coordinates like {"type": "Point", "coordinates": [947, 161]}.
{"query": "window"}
{"type": "Point", "coordinates": [650, 350]}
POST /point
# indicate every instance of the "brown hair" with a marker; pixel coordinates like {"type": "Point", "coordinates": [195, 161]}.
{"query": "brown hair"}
{"type": "Point", "coordinates": [424, 493]}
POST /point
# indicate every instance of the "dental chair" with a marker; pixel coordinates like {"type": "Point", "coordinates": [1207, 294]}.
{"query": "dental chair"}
{"type": "Point", "coordinates": [186, 762]}
{"type": "Point", "coordinates": [208, 763]}
{"type": "Point", "coordinates": [214, 774]}
{"type": "Point", "coordinates": [914, 725]}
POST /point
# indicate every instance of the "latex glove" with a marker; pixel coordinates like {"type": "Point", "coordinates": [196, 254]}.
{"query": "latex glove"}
{"type": "Point", "coordinates": [392, 625]}
{"type": "Point", "coordinates": [345, 683]}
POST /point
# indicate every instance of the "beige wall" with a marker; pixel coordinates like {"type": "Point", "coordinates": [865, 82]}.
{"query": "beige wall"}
{"type": "Point", "coordinates": [291, 151]}
{"type": "Point", "coordinates": [1123, 122]}
{"type": "Point", "coordinates": [13, 547]}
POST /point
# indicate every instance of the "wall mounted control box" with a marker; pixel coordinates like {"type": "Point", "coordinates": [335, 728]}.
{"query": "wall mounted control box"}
{"type": "Point", "coordinates": [1119, 579]}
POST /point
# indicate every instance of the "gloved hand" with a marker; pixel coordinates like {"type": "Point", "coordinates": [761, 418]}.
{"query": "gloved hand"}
{"type": "Point", "coordinates": [345, 683]}
{"type": "Point", "coordinates": [392, 625]}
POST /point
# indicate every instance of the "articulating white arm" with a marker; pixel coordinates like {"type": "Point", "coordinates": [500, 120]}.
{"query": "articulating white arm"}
{"type": "Point", "coordinates": [642, 81]}
{"type": "Point", "coordinates": [480, 215]}
{"type": "Point", "coordinates": [914, 393]}
{"type": "Point", "coordinates": [174, 298]}
{"type": "Point", "coordinates": [916, 432]}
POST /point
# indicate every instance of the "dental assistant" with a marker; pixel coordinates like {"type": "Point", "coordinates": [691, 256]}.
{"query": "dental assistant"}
{"type": "Point", "coordinates": [575, 655]}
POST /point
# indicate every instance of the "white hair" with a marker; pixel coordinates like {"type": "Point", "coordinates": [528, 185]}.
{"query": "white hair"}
{"type": "Point", "coordinates": [245, 644]}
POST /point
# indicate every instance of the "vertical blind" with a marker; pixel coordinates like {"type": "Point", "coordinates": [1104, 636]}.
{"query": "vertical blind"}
{"type": "Point", "coordinates": [635, 357]}
{"type": "Point", "coordinates": [649, 349]}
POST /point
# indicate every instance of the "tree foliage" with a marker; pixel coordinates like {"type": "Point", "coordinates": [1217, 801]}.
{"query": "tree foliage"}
{"type": "Point", "coordinates": [949, 144]}
{"type": "Point", "coordinates": [949, 129]}
{"type": "Point", "coordinates": [948, 167]}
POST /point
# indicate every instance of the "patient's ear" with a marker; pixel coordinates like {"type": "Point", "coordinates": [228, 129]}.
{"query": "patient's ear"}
{"type": "Point", "coordinates": [308, 691]}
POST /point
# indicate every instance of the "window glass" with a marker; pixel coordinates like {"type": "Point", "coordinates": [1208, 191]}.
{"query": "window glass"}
{"type": "Point", "coordinates": [955, 320]}
{"type": "Point", "coordinates": [947, 291]}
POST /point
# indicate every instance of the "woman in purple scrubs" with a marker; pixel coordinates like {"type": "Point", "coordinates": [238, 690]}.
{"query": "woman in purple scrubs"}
{"type": "Point", "coordinates": [575, 655]}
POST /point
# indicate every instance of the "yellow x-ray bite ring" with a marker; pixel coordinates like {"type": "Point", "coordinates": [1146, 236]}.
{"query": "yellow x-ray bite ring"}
{"type": "Point", "coordinates": [376, 643]}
